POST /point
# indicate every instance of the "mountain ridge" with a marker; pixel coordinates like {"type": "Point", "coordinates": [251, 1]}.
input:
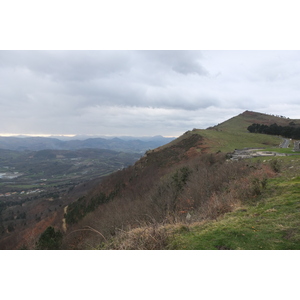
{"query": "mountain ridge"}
{"type": "Point", "coordinates": [116, 144]}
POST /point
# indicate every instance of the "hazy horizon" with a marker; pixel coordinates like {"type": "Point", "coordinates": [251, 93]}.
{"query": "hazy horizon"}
{"type": "Point", "coordinates": [82, 136]}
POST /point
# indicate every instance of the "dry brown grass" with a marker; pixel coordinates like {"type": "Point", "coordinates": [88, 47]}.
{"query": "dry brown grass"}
{"type": "Point", "coordinates": [151, 237]}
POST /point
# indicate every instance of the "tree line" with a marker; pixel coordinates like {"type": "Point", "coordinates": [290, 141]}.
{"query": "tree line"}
{"type": "Point", "coordinates": [274, 129]}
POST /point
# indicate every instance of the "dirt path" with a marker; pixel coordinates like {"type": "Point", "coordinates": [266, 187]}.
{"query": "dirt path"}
{"type": "Point", "coordinates": [64, 224]}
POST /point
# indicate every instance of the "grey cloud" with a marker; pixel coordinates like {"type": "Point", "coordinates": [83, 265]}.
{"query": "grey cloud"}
{"type": "Point", "coordinates": [184, 62]}
{"type": "Point", "coordinates": [139, 95]}
{"type": "Point", "coordinates": [68, 65]}
{"type": "Point", "coordinates": [189, 68]}
{"type": "Point", "coordinates": [130, 92]}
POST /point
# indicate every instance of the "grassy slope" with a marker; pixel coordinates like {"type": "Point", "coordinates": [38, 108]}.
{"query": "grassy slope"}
{"type": "Point", "coordinates": [227, 141]}
{"type": "Point", "coordinates": [233, 134]}
{"type": "Point", "coordinates": [271, 223]}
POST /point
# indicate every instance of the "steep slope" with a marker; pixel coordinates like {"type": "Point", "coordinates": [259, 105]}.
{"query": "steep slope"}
{"type": "Point", "coordinates": [269, 221]}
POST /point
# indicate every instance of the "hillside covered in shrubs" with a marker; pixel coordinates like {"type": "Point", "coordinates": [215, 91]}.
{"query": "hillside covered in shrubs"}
{"type": "Point", "coordinates": [159, 201]}
{"type": "Point", "coordinates": [202, 188]}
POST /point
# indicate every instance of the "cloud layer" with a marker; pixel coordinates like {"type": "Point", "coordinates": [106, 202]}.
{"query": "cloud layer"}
{"type": "Point", "coordinates": [142, 92]}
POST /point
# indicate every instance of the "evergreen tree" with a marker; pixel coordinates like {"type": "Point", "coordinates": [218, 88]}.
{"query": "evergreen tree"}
{"type": "Point", "coordinates": [49, 240]}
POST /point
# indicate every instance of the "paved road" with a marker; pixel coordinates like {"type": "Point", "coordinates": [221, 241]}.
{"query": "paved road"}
{"type": "Point", "coordinates": [285, 143]}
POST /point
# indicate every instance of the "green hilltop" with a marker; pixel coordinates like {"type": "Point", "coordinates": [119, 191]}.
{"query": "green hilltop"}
{"type": "Point", "coordinates": [233, 134]}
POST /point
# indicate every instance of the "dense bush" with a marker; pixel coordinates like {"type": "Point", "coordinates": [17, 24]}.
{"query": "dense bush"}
{"type": "Point", "coordinates": [274, 129]}
{"type": "Point", "coordinates": [49, 240]}
{"type": "Point", "coordinates": [78, 209]}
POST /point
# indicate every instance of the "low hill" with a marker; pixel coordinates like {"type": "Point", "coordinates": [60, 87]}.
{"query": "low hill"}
{"type": "Point", "coordinates": [242, 121]}
{"type": "Point", "coordinates": [233, 134]}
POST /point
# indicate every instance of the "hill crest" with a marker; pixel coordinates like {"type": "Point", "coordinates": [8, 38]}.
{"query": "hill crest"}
{"type": "Point", "coordinates": [243, 120]}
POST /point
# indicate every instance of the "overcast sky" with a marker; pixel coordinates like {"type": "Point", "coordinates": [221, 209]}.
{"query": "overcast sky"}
{"type": "Point", "coordinates": [142, 93]}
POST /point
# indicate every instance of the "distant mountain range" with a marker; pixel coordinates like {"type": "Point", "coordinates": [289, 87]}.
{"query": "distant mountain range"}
{"type": "Point", "coordinates": [125, 144]}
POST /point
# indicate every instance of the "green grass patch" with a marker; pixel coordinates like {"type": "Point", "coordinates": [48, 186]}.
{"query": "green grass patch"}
{"type": "Point", "coordinates": [228, 141]}
{"type": "Point", "coordinates": [273, 223]}
{"type": "Point", "coordinates": [282, 150]}
{"type": "Point", "coordinates": [26, 186]}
